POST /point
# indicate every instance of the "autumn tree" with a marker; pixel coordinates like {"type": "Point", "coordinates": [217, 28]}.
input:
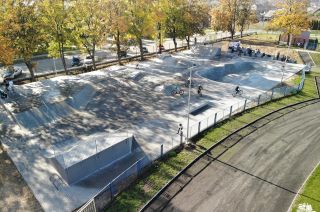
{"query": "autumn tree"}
{"type": "Point", "coordinates": [245, 14]}
{"type": "Point", "coordinates": [174, 12]}
{"type": "Point", "coordinates": [224, 16]}
{"type": "Point", "coordinates": [54, 16]}
{"type": "Point", "coordinates": [195, 15]}
{"type": "Point", "coordinates": [141, 20]}
{"type": "Point", "coordinates": [291, 18]}
{"type": "Point", "coordinates": [118, 23]}
{"type": "Point", "coordinates": [7, 53]}
{"type": "Point", "coordinates": [160, 18]}
{"type": "Point", "coordinates": [21, 25]}
{"type": "Point", "coordinates": [90, 25]}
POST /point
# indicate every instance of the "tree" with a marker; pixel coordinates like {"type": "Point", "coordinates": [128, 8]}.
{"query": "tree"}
{"type": "Point", "coordinates": [20, 24]}
{"type": "Point", "coordinates": [224, 16]}
{"type": "Point", "coordinates": [174, 13]}
{"type": "Point", "coordinates": [90, 25]}
{"type": "Point", "coordinates": [194, 19]}
{"type": "Point", "coordinates": [6, 51]}
{"type": "Point", "coordinates": [245, 14]}
{"type": "Point", "coordinates": [141, 20]}
{"type": "Point", "coordinates": [118, 23]}
{"type": "Point", "coordinates": [291, 18]}
{"type": "Point", "coordinates": [54, 16]}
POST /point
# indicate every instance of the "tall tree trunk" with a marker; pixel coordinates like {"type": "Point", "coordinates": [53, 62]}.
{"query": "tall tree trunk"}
{"type": "Point", "coordinates": [241, 31]}
{"type": "Point", "coordinates": [174, 38]}
{"type": "Point", "coordinates": [141, 49]}
{"type": "Point", "coordinates": [93, 56]}
{"type": "Point", "coordinates": [188, 41]}
{"type": "Point", "coordinates": [63, 59]}
{"type": "Point", "coordinates": [30, 68]}
{"type": "Point", "coordinates": [288, 40]}
{"type": "Point", "coordinates": [118, 46]}
{"type": "Point", "coordinates": [159, 38]}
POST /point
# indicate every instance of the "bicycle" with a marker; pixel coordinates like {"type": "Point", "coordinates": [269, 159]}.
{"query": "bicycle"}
{"type": "Point", "coordinates": [237, 93]}
{"type": "Point", "coordinates": [177, 90]}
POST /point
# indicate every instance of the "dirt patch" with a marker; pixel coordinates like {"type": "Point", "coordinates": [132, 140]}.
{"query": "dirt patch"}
{"type": "Point", "coordinates": [15, 195]}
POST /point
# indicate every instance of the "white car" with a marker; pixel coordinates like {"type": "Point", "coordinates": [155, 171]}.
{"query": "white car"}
{"type": "Point", "coordinates": [88, 59]}
{"type": "Point", "coordinates": [12, 73]}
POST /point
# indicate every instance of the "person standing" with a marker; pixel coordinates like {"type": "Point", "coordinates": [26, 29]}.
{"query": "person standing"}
{"type": "Point", "coordinates": [10, 87]}
{"type": "Point", "coordinates": [180, 129]}
{"type": "Point", "coordinates": [200, 88]}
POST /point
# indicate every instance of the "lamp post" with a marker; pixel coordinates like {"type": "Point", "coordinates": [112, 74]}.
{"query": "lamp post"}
{"type": "Point", "coordinates": [189, 97]}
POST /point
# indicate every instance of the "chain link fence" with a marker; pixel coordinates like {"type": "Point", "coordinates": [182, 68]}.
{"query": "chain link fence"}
{"type": "Point", "coordinates": [106, 195]}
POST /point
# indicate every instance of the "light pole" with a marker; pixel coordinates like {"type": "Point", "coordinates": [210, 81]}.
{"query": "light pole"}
{"type": "Point", "coordinates": [189, 97]}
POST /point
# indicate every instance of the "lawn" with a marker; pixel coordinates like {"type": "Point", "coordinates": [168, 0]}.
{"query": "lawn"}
{"type": "Point", "coordinates": [316, 58]}
{"type": "Point", "coordinates": [311, 192]}
{"type": "Point", "coordinates": [133, 198]}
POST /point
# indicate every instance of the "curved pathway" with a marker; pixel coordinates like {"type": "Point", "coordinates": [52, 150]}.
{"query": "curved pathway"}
{"type": "Point", "coordinates": [262, 172]}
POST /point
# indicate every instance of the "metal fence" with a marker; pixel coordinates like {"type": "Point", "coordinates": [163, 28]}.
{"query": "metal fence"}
{"type": "Point", "coordinates": [104, 197]}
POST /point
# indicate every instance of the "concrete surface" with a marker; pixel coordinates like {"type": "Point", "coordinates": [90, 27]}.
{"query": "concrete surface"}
{"type": "Point", "coordinates": [105, 54]}
{"type": "Point", "coordinates": [262, 172]}
{"type": "Point", "coordinates": [59, 112]}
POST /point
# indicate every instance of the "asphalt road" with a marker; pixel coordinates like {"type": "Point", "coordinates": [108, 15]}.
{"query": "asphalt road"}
{"type": "Point", "coordinates": [262, 172]}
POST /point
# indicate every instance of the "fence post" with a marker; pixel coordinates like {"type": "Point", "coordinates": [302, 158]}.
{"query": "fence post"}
{"type": "Point", "coordinates": [215, 119]}
{"type": "Point", "coordinates": [161, 153]}
{"type": "Point", "coordinates": [199, 126]}
{"type": "Point", "coordinates": [272, 93]}
{"type": "Point", "coordinates": [230, 111]}
{"type": "Point", "coordinates": [285, 91]}
{"type": "Point", "coordinates": [245, 105]}
{"type": "Point", "coordinates": [259, 99]}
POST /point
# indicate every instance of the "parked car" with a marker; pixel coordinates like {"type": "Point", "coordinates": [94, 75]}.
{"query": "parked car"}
{"type": "Point", "coordinates": [11, 73]}
{"type": "Point", "coordinates": [88, 59]}
{"type": "Point", "coordinates": [145, 50]}
{"type": "Point", "coordinates": [123, 53]}
{"type": "Point", "coordinates": [76, 61]}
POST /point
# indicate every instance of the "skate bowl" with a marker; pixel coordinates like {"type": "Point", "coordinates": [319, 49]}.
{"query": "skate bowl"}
{"type": "Point", "coordinates": [90, 155]}
{"type": "Point", "coordinates": [260, 74]}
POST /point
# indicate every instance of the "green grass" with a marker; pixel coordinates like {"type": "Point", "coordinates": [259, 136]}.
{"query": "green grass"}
{"type": "Point", "coordinates": [316, 58]}
{"type": "Point", "coordinates": [266, 37]}
{"type": "Point", "coordinates": [133, 198]}
{"type": "Point", "coordinates": [310, 192]}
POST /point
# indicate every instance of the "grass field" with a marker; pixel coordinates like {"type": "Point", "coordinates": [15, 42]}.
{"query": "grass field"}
{"type": "Point", "coordinates": [311, 192]}
{"type": "Point", "coordinates": [148, 185]}
{"type": "Point", "coordinates": [316, 58]}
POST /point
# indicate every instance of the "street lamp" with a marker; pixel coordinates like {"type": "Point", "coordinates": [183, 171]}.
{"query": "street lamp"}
{"type": "Point", "coordinates": [189, 97]}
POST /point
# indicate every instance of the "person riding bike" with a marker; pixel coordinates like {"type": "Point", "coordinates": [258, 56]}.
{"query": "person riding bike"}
{"type": "Point", "coordinates": [237, 89]}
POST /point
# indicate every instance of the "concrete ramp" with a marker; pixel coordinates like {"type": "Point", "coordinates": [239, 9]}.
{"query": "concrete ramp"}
{"type": "Point", "coordinates": [207, 51]}
{"type": "Point", "coordinates": [39, 116]}
{"type": "Point", "coordinates": [90, 155]}
{"type": "Point", "coordinates": [80, 100]}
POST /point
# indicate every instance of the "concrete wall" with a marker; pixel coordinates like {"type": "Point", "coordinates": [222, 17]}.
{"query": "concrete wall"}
{"type": "Point", "coordinates": [92, 164]}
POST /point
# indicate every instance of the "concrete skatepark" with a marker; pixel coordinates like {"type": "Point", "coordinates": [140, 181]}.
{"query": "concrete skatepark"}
{"type": "Point", "coordinates": [263, 172]}
{"type": "Point", "coordinates": [51, 117]}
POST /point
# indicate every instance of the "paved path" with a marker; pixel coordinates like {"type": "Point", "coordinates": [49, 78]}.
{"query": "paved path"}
{"type": "Point", "coordinates": [262, 172]}
{"type": "Point", "coordinates": [45, 65]}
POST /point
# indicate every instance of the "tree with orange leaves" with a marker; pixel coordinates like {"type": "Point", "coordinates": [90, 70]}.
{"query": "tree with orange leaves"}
{"type": "Point", "coordinates": [291, 18]}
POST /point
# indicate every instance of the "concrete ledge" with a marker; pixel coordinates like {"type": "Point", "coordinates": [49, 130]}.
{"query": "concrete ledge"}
{"type": "Point", "coordinates": [91, 155]}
